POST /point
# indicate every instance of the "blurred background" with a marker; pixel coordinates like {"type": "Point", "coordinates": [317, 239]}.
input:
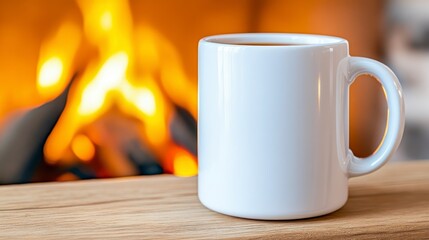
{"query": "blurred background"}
{"type": "Point", "coordinates": [96, 89]}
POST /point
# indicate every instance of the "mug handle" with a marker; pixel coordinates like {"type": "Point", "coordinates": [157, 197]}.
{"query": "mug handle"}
{"type": "Point", "coordinates": [350, 68]}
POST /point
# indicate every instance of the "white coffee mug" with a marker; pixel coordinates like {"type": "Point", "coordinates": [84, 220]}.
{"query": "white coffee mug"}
{"type": "Point", "coordinates": [273, 124]}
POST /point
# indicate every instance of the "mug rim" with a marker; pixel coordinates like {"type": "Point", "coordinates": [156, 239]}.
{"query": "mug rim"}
{"type": "Point", "coordinates": [297, 40]}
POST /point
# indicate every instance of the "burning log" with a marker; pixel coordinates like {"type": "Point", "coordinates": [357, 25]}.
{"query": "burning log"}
{"type": "Point", "coordinates": [82, 172]}
{"type": "Point", "coordinates": [141, 156]}
{"type": "Point", "coordinates": [183, 128]}
{"type": "Point", "coordinates": [121, 150]}
{"type": "Point", "coordinates": [22, 140]}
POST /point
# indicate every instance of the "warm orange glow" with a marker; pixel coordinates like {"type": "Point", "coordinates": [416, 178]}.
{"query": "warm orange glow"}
{"type": "Point", "coordinates": [50, 73]}
{"type": "Point", "coordinates": [107, 79]}
{"type": "Point", "coordinates": [139, 98]}
{"type": "Point", "coordinates": [93, 91]}
{"type": "Point", "coordinates": [107, 24]}
{"type": "Point", "coordinates": [145, 101]}
{"type": "Point", "coordinates": [67, 177]}
{"type": "Point", "coordinates": [1, 105]}
{"type": "Point", "coordinates": [83, 148]}
{"type": "Point", "coordinates": [112, 80]}
{"type": "Point", "coordinates": [156, 123]}
{"type": "Point", "coordinates": [387, 124]}
{"type": "Point", "coordinates": [179, 88]}
{"type": "Point", "coordinates": [184, 164]}
{"type": "Point", "coordinates": [55, 60]}
{"type": "Point", "coordinates": [106, 21]}
{"type": "Point", "coordinates": [156, 133]}
{"type": "Point", "coordinates": [158, 53]}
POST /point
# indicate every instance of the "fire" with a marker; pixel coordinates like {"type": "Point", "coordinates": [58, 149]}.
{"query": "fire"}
{"type": "Point", "coordinates": [67, 177]}
{"type": "Point", "coordinates": [108, 78]}
{"type": "Point", "coordinates": [50, 73]}
{"type": "Point", "coordinates": [136, 70]}
{"type": "Point", "coordinates": [106, 21]}
{"type": "Point", "coordinates": [83, 147]}
{"type": "Point", "coordinates": [55, 60]}
{"type": "Point", "coordinates": [184, 164]}
{"type": "Point", "coordinates": [172, 77]}
{"type": "Point", "coordinates": [181, 162]}
{"type": "Point", "coordinates": [145, 101]}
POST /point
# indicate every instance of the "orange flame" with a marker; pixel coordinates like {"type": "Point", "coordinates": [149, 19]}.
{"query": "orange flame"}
{"type": "Point", "coordinates": [83, 148]}
{"type": "Point", "coordinates": [180, 162]}
{"type": "Point", "coordinates": [55, 60]}
{"type": "Point", "coordinates": [184, 164]}
{"type": "Point", "coordinates": [158, 54]}
{"type": "Point", "coordinates": [115, 79]}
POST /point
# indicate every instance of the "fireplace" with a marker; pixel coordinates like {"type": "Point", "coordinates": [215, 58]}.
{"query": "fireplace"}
{"type": "Point", "coordinates": [94, 89]}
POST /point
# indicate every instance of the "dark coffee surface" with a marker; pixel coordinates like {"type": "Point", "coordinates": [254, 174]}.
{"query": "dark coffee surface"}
{"type": "Point", "coordinates": [268, 44]}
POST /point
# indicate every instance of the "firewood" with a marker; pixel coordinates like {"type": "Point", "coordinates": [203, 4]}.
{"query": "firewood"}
{"type": "Point", "coordinates": [22, 140]}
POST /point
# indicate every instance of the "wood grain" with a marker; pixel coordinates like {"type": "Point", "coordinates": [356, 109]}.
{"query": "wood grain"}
{"type": "Point", "coordinates": [391, 203]}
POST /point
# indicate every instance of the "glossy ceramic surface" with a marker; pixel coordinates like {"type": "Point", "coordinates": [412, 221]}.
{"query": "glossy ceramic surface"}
{"type": "Point", "coordinates": [273, 124]}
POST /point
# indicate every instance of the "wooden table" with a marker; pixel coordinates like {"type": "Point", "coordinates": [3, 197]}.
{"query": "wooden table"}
{"type": "Point", "coordinates": [391, 203]}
